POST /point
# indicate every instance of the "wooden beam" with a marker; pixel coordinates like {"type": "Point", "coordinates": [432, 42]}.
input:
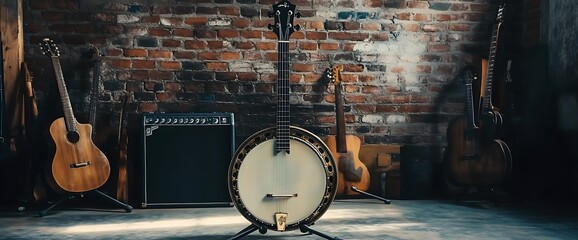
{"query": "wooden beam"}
{"type": "Point", "coordinates": [12, 37]}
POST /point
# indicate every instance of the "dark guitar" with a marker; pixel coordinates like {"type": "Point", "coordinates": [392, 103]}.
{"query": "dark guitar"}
{"type": "Point", "coordinates": [345, 148]}
{"type": "Point", "coordinates": [489, 117]}
{"type": "Point", "coordinates": [472, 160]}
{"type": "Point", "coordinates": [77, 164]}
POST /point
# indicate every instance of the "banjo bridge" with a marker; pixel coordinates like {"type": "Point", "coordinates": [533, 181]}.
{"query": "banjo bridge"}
{"type": "Point", "coordinates": [270, 195]}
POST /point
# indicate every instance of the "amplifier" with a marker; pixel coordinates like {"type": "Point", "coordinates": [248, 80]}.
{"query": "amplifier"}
{"type": "Point", "coordinates": [186, 159]}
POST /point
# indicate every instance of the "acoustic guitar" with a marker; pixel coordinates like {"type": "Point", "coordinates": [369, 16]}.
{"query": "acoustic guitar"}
{"type": "Point", "coordinates": [284, 177]}
{"type": "Point", "coordinates": [345, 148]}
{"type": "Point", "coordinates": [472, 160]}
{"type": "Point", "coordinates": [77, 164]}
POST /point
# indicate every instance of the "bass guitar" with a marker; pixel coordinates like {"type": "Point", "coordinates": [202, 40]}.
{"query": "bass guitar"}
{"type": "Point", "coordinates": [77, 164]}
{"type": "Point", "coordinates": [345, 148]}
{"type": "Point", "coordinates": [284, 177]}
{"type": "Point", "coordinates": [472, 160]}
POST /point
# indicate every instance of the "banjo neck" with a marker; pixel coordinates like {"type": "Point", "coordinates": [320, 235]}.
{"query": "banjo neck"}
{"type": "Point", "coordinates": [284, 13]}
{"type": "Point", "coordinates": [283, 112]}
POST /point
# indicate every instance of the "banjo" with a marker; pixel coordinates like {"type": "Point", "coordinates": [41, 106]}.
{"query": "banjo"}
{"type": "Point", "coordinates": [284, 177]}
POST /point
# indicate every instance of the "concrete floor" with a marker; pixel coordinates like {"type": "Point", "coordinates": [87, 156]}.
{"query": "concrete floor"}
{"type": "Point", "coordinates": [345, 219]}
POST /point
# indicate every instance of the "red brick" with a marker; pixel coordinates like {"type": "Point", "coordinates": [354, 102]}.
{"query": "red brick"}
{"type": "Point", "coordinates": [165, 96]}
{"type": "Point", "coordinates": [146, 64]}
{"type": "Point", "coordinates": [120, 63]}
{"type": "Point", "coordinates": [241, 23]}
{"type": "Point", "coordinates": [315, 25]}
{"type": "Point", "coordinates": [160, 54]}
{"type": "Point", "coordinates": [460, 27]}
{"type": "Point", "coordinates": [135, 53]}
{"type": "Point", "coordinates": [217, 66]}
{"type": "Point", "coordinates": [316, 35]}
{"type": "Point", "coordinates": [244, 45]}
{"type": "Point", "coordinates": [355, 98]}
{"type": "Point", "coordinates": [422, 17]}
{"type": "Point", "coordinates": [385, 108]}
{"type": "Point", "coordinates": [228, 33]}
{"type": "Point", "coordinates": [150, 19]}
{"type": "Point", "coordinates": [181, 32]}
{"type": "Point", "coordinates": [328, 46]}
{"type": "Point", "coordinates": [438, 48]}
{"type": "Point", "coordinates": [410, 27]}
{"type": "Point", "coordinates": [397, 69]}
{"type": "Point", "coordinates": [208, 55]}
{"type": "Point", "coordinates": [195, 87]}
{"type": "Point", "coordinates": [172, 43]}
{"type": "Point", "coordinates": [185, 55]}
{"type": "Point", "coordinates": [161, 32]}
{"type": "Point", "coordinates": [251, 34]}
{"type": "Point", "coordinates": [364, 108]}
{"type": "Point", "coordinates": [196, 21]}
{"type": "Point", "coordinates": [114, 52]}
{"type": "Point", "coordinates": [215, 44]}
{"type": "Point", "coordinates": [329, 119]}
{"type": "Point", "coordinates": [265, 45]}
{"type": "Point", "coordinates": [234, 11]}
{"type": "Point", "coordinates": [371, 26]}
{"type": "Point", "coordinates": [307, 45]}
{"type": "Point", "coordinates": [230, 56]}
{"type": "Point", "coordinates": [371, 89]}
{"type": "Point", "coordinates": [300, 67]}
{"type": "Point", "coordinates": [195, 44]}
{"type": "Point", "coordinates": [418, 4]}
{"type": "Point", "coordinates": [147, 107]}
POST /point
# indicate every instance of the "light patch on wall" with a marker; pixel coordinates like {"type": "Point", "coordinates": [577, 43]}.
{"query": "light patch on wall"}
{"type": "Point", "coordinates": [328, 14]}
{"type": "Point", "coordinates": [372, 119]}
{"type": "Point", "coordinates": [219, 22]}
{"type": "Point", "coordinates": [126, 19]}
{"type": "Point", "coordinates": [396, 119]}
{"type": "Point", "coordinates": [240, 67]}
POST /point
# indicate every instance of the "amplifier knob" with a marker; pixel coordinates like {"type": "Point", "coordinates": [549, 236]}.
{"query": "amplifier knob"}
{"type": "Point", "coordinates": [169, 120]}
{"type": "Point", "coordinates": [180, 120]}
{"type": "Point", "coordinates": [162, 120]}
{"type": "Point", "coordinates": [203, 120]}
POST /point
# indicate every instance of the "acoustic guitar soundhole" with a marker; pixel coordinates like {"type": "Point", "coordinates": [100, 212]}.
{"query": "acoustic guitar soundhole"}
{"type": "Point", "coordinates": [73, 136]}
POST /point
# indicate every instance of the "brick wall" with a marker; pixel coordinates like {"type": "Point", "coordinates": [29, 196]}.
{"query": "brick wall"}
{"type": "Point", "coordinates": [401, 59]}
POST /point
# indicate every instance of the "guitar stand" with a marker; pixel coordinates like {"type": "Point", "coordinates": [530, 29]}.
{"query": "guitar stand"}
{"type": "Point", "coordinates": [385, 201]}
{"type": "Point", "coordinates": [126, 207]}
{"type": "Point", "coordinates": [262, 229]}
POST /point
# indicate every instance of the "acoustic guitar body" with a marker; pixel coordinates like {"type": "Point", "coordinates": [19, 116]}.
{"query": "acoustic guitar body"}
{"type": "Point", "coordinates": [351, 170]}
{"type": "Point", "coordinates": [473, 161]}
{"type": "Point", "coordinates": [78, 165]}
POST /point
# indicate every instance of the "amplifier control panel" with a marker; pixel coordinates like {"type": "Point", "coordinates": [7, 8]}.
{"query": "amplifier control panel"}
{"type": "Point", "coordinates": [188, 119]}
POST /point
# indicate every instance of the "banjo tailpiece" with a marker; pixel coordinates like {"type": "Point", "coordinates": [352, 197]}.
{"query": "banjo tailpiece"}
{"type": "Point", "coordinates": [280, 219]}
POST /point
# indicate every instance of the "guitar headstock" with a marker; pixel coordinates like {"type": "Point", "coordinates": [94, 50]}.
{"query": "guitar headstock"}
{"type": "Point", "coordinates": [49, 48]}
{"type": "Point", "coordinates": [334, 74]}
{"type": "Point", "coordinates": [284, 13]}
{"type": "Point", "coordinates": [500, 17]}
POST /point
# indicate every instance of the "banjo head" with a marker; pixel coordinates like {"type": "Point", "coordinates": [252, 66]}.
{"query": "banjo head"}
{"type": "Point", "coordinates": [263, 183]}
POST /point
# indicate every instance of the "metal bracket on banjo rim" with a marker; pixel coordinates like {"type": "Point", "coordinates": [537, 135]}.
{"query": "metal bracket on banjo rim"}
{"type": "Point", "coordinates": [263, 229]}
